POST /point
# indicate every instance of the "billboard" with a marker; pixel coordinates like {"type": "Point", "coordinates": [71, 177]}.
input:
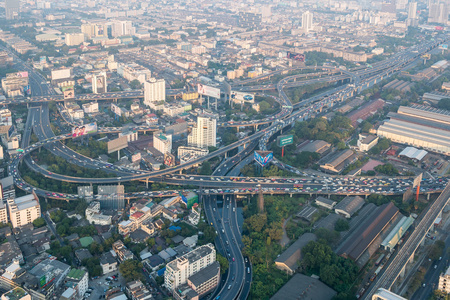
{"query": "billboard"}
{"type": "Point", "coordinates": [23, 74]}
{"type": "Point", "coordinates": [263, 157]}
{"type": "Point", "coordinates": [43, 59]}
{"type": "Point", "coordinates": [242, 97]}
{"type": "Point", "coordinates": [284, 140]}
{"type": "Point", "coordinates": [27, 90]}
{"type": "Point", "coordinates": [208, 91]}
{"type": "Point", "coordinates": [136, 157]}
{"type": "Point", "coordinates": [61, 73]}
{"type": "Point", "coordinates": [69, 92]}
{"type": "Point", "coordinates": [84, 129]}
{"type": "Point", "coordinates": [295, 56]}
{"type": "Point", "coordinates": [417, 180]}
{"type": "Point", "coordinates": [117, 144]}
{"type": "Point", "coordinates": [444, 46]}
{"type": "Point", "coordinates": [116, 110]}
{"type": "Point", "coordinates": [169, 159]}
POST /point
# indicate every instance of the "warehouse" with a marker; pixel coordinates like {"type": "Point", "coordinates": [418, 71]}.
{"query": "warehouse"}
{"type": "Point", "coordinates": [336, 162]}
{"type": "Point", "coordinates": [368, 231]}
{"type": "Point", "coordinates": [419, 126]}
{"type": "Point", "coordinates": [288, 260]}
{"type": "Point", "coordinates": [397, 233]}
{"type": "Point", "coordinates": [348, 206]}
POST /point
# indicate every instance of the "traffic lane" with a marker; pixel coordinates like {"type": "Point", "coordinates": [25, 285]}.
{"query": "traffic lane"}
{"type": "Point", "coordinates": [236, 259]}
{"type": "Point", "coordinates": [432, 276]}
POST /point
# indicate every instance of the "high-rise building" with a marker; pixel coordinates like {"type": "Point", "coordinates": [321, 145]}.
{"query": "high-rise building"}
{"type": "Point", "coordinates": [412, 15]}
{"type": "Point", "coordinates": [162, 142]}
{"type": "Point", "coordinates": [24, 210]}
{"type": "Point", "coordinates": [178, 271]}
{"type": "Point", "coordinates": [154, 91]}
{"type": "Point", "coordinates": [438, 13]}
{"type": "Point", "coordinates": [12, 8]}
{"type": "Point", "coordinates": [307, 21]}
{"type": "Point", "coordinates": [444, 282]}
{"type": "Point", "coordinates": [99, 83]}
{"type": "Point", "coordinates": [3, 213]}
{"type": "Point", "coordinates": [121, 28]}
{"type": "Point", "coordinates": [74, 39]}
{"type": "Point", "coordinates": [203, 135]}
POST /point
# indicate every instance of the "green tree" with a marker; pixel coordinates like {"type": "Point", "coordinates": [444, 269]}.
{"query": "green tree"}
{"type": "Point", "coordinates": [223, 263]}
{"type": "Point", "coordinates": [131, 270]}
{"type": "Point", "coordinates": [444, 103]}
{"type": "Point", "coordinates": [206, 168]}
{"type": "Point", "coordinates": [341, 225]}
{"type": "Point", "coordinates": [39, 222]}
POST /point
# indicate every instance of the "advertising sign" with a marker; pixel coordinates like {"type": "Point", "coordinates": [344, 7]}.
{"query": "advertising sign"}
{"type": "Point", "coordinates": [117, 144]}
{"type": "Point", "coordinates": [284, 140]}
{"type": "Point", "coordinates": [242, 97]}
{"type": "Point", "coordinates": [43, 59]}
{"type": "Point", "coordinates": [263, 157]}
{"type": "Point", "coordinates": [42, 281]}
{"type": "Point", "coordinates": [22, 74]}
{"type": "Point", "coordinates": [69, 92]}
{"type": "Point", "coordinates": [444, 46]}
{"type": "Point", "coordinates": [208, 91]}
{"type": "Point", "coordinates": [136, 157]}
{"type": "Point", "coordinates": [295, 56]}
{"type": "Point", "coordinates": [116, 110]}
{"type": "Point", "coordinates": [417, 180]}
{"type": "Point", "coordinates": [84, 129]}
{"type": "Point", "coordinates": [169, 159]}
{"type": "Point", "coordinates": [27, 90]}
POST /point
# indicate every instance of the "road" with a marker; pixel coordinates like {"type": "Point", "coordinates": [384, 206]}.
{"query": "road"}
{"type": "Point", "coordinates": [229, 241]}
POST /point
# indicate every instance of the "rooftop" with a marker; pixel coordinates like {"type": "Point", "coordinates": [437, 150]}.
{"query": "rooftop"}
{"type": "Point", "coordinates": [205, 274]}
{"type": "Point", "coordinates": [304, 287]}
{"type": "Point", "coordinates": [76, 274]}
{"type": "Point", "coordinates": [15, 294]}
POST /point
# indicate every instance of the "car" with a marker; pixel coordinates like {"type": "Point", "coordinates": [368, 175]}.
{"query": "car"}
{"type": "Point", "coordinates": [233, 258]}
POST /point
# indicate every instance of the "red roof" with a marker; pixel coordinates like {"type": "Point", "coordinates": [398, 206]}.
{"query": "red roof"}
{"type": "Point", "coordinates": [137, 215]}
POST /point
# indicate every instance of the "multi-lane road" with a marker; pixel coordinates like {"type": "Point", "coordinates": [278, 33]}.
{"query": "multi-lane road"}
{"type": "Point", "coordinates": [229, 244]}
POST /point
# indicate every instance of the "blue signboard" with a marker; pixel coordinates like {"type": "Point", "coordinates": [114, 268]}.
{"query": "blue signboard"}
{"type": "Point", "coordinates": [263, 157]}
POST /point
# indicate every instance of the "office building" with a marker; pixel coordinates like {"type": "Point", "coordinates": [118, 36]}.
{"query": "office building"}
{"type": "Point", "coordinates": [307, 21]}
{"type": "Point", "coordinates": [154, 91]}
{"type": "Point", "coordinates": [3, 213]}
{"type": "Point", "coordinates": [418, 126]}
{"type": "Point", "coordinates": [24, 210]}
{"type": "Point", "coordinates": [94, 216]}
{"type": "Point", "coordinates": [203, 135]}
{"type": "Point", "coordinates": [111, 196]}
{"type": "Point", "coordinates": [78, 281]}
{"type": "Point", "coordinates": [412, 15]}
{"type": "Point", "coordinates": [162, 142]}
{"type": "Point", "coordinates": [438, 13]}
{"type": "Point", "coordinates": [12, 8]}
{"type": "Point", "coordinates": [178, 271]}
{"type": "Point", "coordinates": [99, 83]}
{"type": "Point", "coordinates": [444, 282]}
{"type": "Point", "coordinates": [5, 117]}
{"type": "Point", "coordinates": [74, 39]}
{"type": "Point", "coordinates": [14, 83]}
{"type": "Point", "coordinates": [50, 274]}
{"type": "Point", "coordinates": [199, 284]}
{"type": "Point", "coordinates": [383, 294]}
{"type": "Point", "coordinates": [121, 28]}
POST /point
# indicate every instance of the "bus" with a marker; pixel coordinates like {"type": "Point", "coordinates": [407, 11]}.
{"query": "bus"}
{"type": "Point", "coordinates": [19, 150]}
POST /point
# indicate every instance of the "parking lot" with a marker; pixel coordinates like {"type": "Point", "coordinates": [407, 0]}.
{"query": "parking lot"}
{"type": "Point", "coordinates": [100, 285]}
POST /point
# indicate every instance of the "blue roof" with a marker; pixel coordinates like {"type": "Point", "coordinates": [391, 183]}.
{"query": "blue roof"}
{"type": "Point", "coordinates": [161, 272]}
{"type": "Point", "coordinates": [174, 228]}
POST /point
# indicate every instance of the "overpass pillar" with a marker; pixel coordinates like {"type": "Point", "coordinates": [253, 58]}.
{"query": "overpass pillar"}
{"type": "Point", "coordinates": [411, 258]}
{"type": "Point", "coordinates": [428, 196]}
{"type": "Point", "coordinates": [146, 183]}
{"type": "Point", "coordinates": [181, 172]}
{"type": "Point", "coordinates": [226, 155]}
{"type": "Point", "coordinates": [290, 195]}
{"type": "Point", "coordinates": [256, 127]}
{"type": "Point", "coordinates": [237, 129]}
{"type": "Point", "coordinates": [402, 272]}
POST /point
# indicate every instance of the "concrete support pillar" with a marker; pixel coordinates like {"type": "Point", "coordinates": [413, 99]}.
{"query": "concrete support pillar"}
{"type": "Point", "coordinates": [290, 195]}
{"type": "Point", "coordinates": [428, 196]}
{"type": "Point", "coordinates": [146, 183]}
{"type": "Point", "coordinates": [181, 172]}
{"type": "Point", "coordinates": [226, 155]}
{"type": "Point", "coordinates": [411, 258]}
{"type": "Point", "coordinates": [402, 272]}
